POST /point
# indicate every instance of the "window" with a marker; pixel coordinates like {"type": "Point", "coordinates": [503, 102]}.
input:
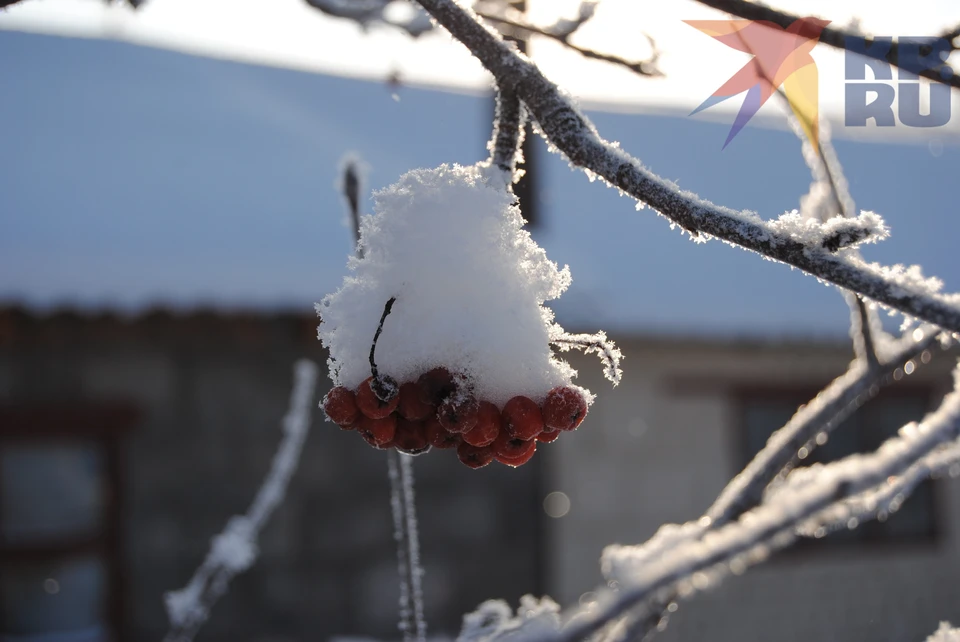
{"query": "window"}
{"type": "Point", "coordinates": [877, 420]}
{"type": "Point", "coordinates": [59, 523]}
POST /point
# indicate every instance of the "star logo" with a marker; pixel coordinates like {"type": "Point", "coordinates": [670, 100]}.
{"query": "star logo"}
{"type": "Point", "coordinates": [781, 57]}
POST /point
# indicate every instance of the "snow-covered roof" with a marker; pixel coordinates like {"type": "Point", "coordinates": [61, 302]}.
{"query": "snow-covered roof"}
{"type": "Point", "coordinates": [134, 177]}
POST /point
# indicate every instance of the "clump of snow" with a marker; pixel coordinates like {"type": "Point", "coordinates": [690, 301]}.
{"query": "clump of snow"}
{"type": "Point", "coordinates": [469, 283]}
{"type": "Point", "coordinates": [946, 633]}
{"type": "Point", "coordinates": [493, 620]}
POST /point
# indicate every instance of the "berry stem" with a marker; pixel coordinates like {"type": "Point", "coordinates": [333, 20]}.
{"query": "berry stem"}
{"type": "Point", "coordinates": [373, 348]}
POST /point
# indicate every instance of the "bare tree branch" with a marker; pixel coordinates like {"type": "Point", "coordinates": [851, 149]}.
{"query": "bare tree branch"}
{"type": "Point", "coordinates": [571, 133]}
{"type": "Point", "coordinates": [832, 36]}
{"type": "Point", "coordinates": [643, 67]}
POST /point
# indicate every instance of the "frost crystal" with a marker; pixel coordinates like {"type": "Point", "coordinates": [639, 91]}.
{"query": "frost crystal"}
{"type": "Point", "coordinates": [469, 284]}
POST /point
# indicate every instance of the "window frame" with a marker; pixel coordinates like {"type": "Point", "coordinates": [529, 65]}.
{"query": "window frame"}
{"type": "Point", "coordinates": [104, 426]}
{"type": "Point", "coordinates": [741, 396]}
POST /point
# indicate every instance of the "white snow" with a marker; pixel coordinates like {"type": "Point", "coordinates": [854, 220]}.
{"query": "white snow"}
{"type": "Point", "coordinates": [945, 633]}
{"type": "Point", "coordinates": [469, 283]}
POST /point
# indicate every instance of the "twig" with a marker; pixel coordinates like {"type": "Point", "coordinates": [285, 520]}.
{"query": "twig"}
{"type": "Point", "coordinates": [764, 529]}
{"type": "Point", "coordinates": [351, 191]}
{"type": "Point", "coordinates": [832, 36]}
{"type": "Point", "coordinates": [235, 550]}
{"type": "Point", "coordinates": [823, 413]}
{"type": "Point", "coordinates": [596, 343]}
{"type": "Point", "coordinates": [571, 133]}
{"type": "Point", "coordinates": [384, 386]}
{"type": "Point", "coordinates": [508, 131]}
{"type": "Point", "coordinates": [642, 67]}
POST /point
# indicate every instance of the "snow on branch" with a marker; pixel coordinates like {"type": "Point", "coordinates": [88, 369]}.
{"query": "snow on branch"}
{"type": "Point", "coordinates": [945, 633]}
{"type": "Point", "coordinates": [834, 37]}
{"type": "Point", "coordinates": [571, 133]}
{"type": "Point", "coordinates": [235, 549]}
{"type": "Point", "coordinates": [821, 414]}
{"type": "Point", "coordinates": [597, 343]}
{"type": "Point", "coordinates": [506, 143]}
{"type": "Point", "coordinates": [675, 561]}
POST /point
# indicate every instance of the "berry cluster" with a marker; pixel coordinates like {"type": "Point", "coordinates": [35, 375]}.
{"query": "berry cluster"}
{"type": "Point", "coordinates": [438, 410]}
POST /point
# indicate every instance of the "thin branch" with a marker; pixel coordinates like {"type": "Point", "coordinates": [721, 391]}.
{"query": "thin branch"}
{"type": "Point", "coordinates": [832, 36]}
{"type": "Point", "coordinates": [508, 132]}
{"type": "Point", "coordinates": [351, 191]}
{"type": "Point", "coordinates": [597, 343]}
{"type": "Point", "coordinates": [235, 550]}
{"type": "Point", "coordinates": [822, 414]}
{"type": "Point", "coordinates": [758, 533]}
{"type": "Point", "coordinates": [571, 133]}
{"type": "Point", "coordinates": [403, 508]}
{"type": "Point", "coordinates": [642, 67]}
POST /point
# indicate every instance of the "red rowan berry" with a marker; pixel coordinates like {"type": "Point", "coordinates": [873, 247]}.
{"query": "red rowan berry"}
{"type": "Point", "coordinates": [522, 418]}
{"type": "Point", "coordinates": [473, 456]}
{"type": "Point", "coordinates": [564, 409]}
{"type": "Point", "coordinates": [487, 428]}
{"type": "Point", "coordinates": [435, 386]}
{"type": "Point", "coordinates": [379, 433]}
{"type": "Point", "coordinates": [340, 404]}
{"type": "Point", "coordinates": [459, 413]}
{"type": "Point", "coordinates": [411, 407]}
{"type": "Point", "coordinates": [372, 405]}
{"type": "Point", "coordinates": [438, 436]}
{"type": "Point", "coordinates": [411, 437]}
{"type": "Point", "coordinates": [519, 460]}
{"type": "Point", "coordinates": [547, 437]}
{"type": "Point", "coordinates": [512, 448]}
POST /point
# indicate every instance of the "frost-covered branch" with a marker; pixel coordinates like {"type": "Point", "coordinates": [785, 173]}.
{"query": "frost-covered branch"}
{"type": "Point", "coordinates": [562, 30]}
{"type": "Point", "coordinates": [506, 144]}
{"type": "Point", "coordinates": [572, 134]}
{"type": "Point", "coordinates": [597, 343]}
{"type": "Point", "coordinates": [235, 549]}
{"type": "Point", "coordinates": [413, 625]}
{"type": "Point", "coordinates": [673, 560]}
{"type": "Point", "coordinates": [821, 414]}
{"type": "Point", "coordinates": [833, 36]}
{"type": "Point", "coordinates": [680, 560]}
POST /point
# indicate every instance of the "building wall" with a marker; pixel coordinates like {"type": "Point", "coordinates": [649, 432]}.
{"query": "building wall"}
{"type": "Point", "coordinates": [660, 447]}
{"type": "Point", "coordinates": [211, 391]}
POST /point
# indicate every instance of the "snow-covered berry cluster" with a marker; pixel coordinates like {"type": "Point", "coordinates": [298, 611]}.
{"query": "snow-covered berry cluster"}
{"type": "Point", "coordinates": [438, 410]}
{"type": "Point", "coordinates": [463, 353]}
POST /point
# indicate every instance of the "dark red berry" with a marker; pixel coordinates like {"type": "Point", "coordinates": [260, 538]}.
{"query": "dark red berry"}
{"type": "Point", "coordinates": [459, 413]}
{"type": "Point", "coordinates": [435, 386]}
{"type": "Point", "coordinates": [379, 433]}
{"type": "Point", "coordinates": [473, 456]}
{"type": "Point", "coordinates": [512, 448]}
{"type": "Point", "coordinates": [411, 437]}
{"type": "Point", "coordinates": [410, 406]}
{"type": "Point", "coordinates": [438, 436]}
{"type": "Point", "coordinates": [519, 460]}
{"type": "Point", "coordinates": [487, 428]}
{"type": "Point", "coordinates": [547, 437]}
{"type": "Point", "coordinates": [371, 405]}
{"type": "Point", "coordinates": [522, 418]}
{"type": "Point", "coordinates": [340, 404]}
{"type": "Point", "coordinates": [564, 409]}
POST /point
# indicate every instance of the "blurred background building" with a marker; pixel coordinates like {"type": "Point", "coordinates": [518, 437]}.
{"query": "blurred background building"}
{"type": "Point", "coordinates": [167, 221]}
